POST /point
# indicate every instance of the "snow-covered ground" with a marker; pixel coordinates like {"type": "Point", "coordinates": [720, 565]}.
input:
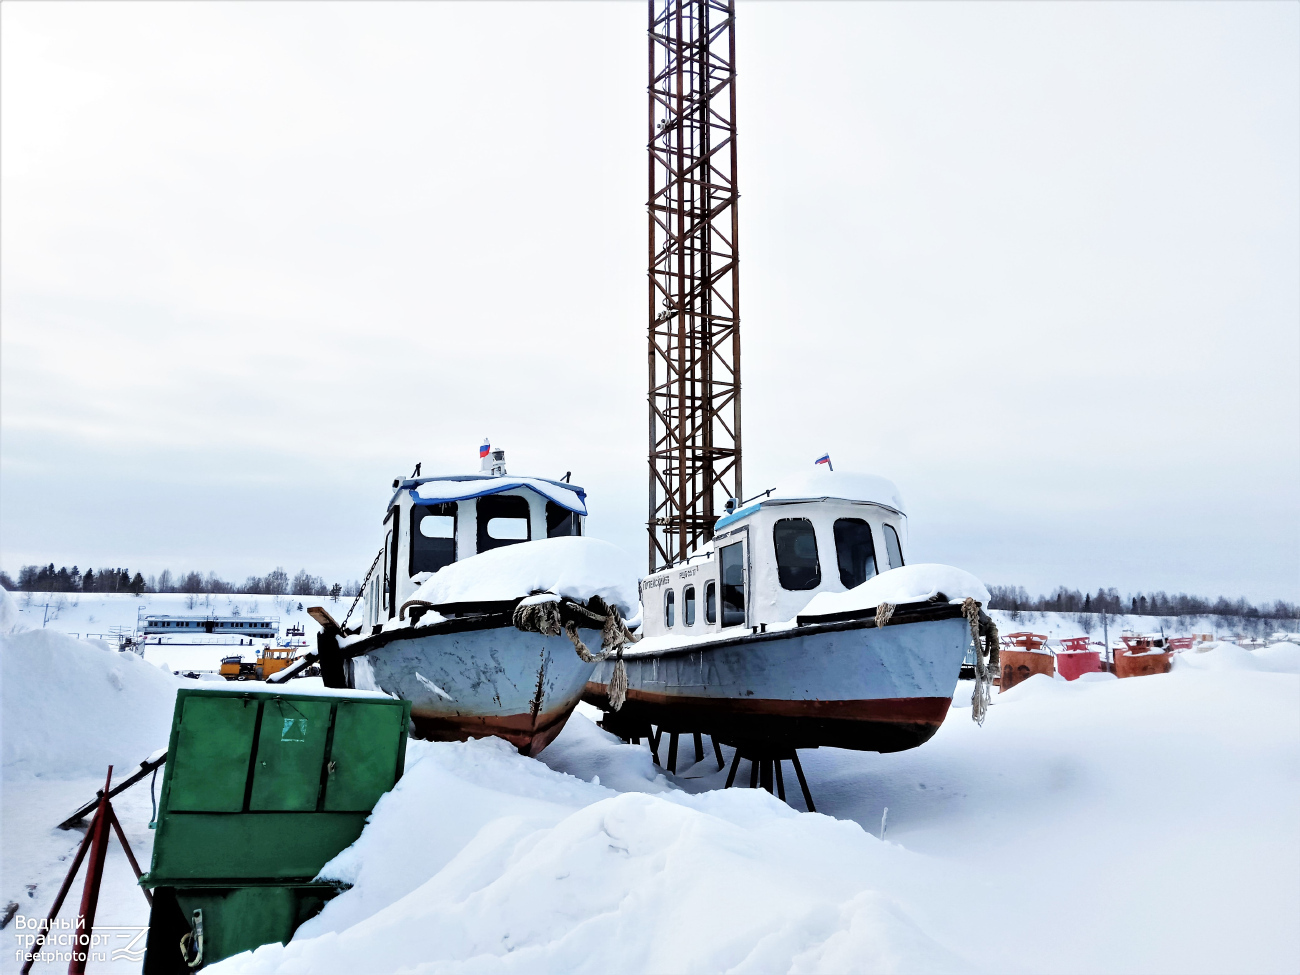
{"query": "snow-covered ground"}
{"type": "Point", "coordinates": [1150, 824]}
{"type": "Point", "coordinates": [97, 614]}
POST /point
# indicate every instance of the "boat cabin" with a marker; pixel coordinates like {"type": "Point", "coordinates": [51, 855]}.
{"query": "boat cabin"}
{"type": "Point", "coordinates": [822, 532]}
{"type": "Point", "coordinates": [434, 521]}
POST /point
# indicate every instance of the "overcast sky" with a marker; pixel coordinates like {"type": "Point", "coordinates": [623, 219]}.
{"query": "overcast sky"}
{"type": "Point", "coordinates": [1037, 263]}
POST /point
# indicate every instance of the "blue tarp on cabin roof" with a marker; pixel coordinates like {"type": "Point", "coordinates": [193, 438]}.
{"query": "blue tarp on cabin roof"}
{"type": "Point", "coordinates": [437, 490]}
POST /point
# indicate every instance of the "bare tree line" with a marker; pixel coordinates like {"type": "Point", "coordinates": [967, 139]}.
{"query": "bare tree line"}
{"type": "Point", "coordinates": [277, 582]}
{"type": "Point", "coordinates": [1063, 600]}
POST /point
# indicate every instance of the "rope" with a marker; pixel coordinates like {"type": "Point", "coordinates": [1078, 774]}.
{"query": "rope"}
{"type": "Point", "coordinates": [883, 612]}
{"type": "Point", "coordinates": [979, 699]}
{"type": "Point", "coordinates": [547, 618]}
{"type": "Point", "coordinates": [362, 588]}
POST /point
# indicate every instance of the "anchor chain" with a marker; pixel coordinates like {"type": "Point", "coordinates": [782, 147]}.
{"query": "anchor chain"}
{"type": "Point", "coordinates": [361, 589]}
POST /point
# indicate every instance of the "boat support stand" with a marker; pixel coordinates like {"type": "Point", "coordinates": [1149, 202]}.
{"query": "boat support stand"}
{"type": "Point", "coordinates": [633, 731]}
{"type": "Point", "coordinates": [765, 766]}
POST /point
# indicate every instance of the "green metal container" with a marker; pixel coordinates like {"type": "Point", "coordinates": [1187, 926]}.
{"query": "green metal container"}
{"type": "Point", "coordinates": [261, 789]}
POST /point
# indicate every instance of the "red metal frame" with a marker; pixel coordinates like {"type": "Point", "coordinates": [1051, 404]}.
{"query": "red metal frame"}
{"type": "Point", "coordinates": [96, 843]}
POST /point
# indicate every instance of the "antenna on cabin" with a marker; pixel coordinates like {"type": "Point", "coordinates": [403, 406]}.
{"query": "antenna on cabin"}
{"type": "Point", "coordinates": [492, 461]}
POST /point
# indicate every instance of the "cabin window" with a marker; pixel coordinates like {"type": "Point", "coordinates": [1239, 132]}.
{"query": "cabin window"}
{"type": "Point", "coordinates": [670, 608]}
{"type": "Point", "coordinates": [892, 547]}
{"type": "Point", "coordinates": [433, 536]}
{"type": "Point", "coordinates": [732, 562]}
{"type": "Point", "coordinates": [796, 554]}
{"type": "Point", "coordinates": [855, 551]}
{"type": "Point", "coordinates": [561, 521]}
{"type": "Point", "coordinates": [389, 560]}
{"type": "Point", "coordinates": [688, 605]}
{"type": "Point", "coordinates": [710, 602]}
{"type": "Point", "coordinates": [502, 520]}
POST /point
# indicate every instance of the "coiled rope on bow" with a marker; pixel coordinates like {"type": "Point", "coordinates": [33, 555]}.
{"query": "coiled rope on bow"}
{"type": "Point", "coordinates": [548, 618]}
{"type": "Point", "coordinates": [979, 699]}
{"type": "Point", "coordinates": [883, 612]}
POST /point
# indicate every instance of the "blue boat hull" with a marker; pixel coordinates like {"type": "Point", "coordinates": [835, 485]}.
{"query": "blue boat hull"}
{"type": "Point", "coordinates": [477, 679]}
{"type": "Point", "coordinates": [844, 685]}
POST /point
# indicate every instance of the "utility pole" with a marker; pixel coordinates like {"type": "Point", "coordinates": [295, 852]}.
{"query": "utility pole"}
{"type": "Point", "coordinates": [694, 287]}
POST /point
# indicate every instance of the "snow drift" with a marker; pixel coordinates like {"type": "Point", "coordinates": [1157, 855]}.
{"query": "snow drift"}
{"type": "Point", "coordinates": [72, 707]}
{"type": "Point", "coordinates": [530, 871]}
{"type": "Point", "coordinates": [573, 566]}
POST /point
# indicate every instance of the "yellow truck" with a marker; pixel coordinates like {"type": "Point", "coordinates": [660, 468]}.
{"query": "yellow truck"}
{"type": "Point", "coordinates": [269, 661]}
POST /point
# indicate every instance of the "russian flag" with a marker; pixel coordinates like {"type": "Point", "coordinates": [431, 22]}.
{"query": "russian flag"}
{"type": "Point", "coordinates": [486, 449]}
{"type": "Point", "coordinates": [825, 459]}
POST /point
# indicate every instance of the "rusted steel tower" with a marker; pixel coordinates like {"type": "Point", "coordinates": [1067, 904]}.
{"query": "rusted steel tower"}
{"type": "Point", "coordinates": [694, 274]}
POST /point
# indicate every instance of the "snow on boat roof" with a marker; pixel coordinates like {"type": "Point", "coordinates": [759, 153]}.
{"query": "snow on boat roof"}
{"type": "Point", "coordinates": [462, 487]}
{"type": "Point", "coordinates": [819, 485]}
{"type": "Point", "coordinates": [822, 485]}
{"type": "Point", "coordinates": [573, 565]}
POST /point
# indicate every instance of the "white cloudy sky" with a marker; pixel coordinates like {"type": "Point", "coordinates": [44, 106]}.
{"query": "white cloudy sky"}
{"type": "Point", "coordinates": [1038, 263]}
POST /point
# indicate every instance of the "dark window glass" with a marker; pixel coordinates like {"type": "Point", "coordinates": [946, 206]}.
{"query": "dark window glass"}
{"type": "Point", "coordinates": [732, 560]}
{"type": "Point", "coordinates": [390, 560]}
{"type": "Point", "coordinates": [502, 520]}
{"type": "Point", "coordinates": [893, 548]}
{"type": "Point", "coordinates": [670, 608]}
{"type": "Point", "coordinates": [688, 605]}
{"type": "Point", "coordinates": [796, 554]}
{"type": "Point", "coordinates": [855, 551]}
{"type": "Point", "coordinates": [433, 536]}
{"type": "Point", "coordinates": [561, 521]}
{"type": "Point", "coordinates": [710, 602]}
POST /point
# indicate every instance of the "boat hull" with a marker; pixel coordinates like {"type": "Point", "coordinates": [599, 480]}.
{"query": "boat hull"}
{"type": "Point", "coordinates": [477, 678]}
{"type": "Point", "coordinates": [843, 685]}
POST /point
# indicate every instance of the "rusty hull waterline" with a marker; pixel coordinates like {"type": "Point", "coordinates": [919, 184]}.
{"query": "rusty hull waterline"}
{"type": "Point", "coordinates": [528, 732]}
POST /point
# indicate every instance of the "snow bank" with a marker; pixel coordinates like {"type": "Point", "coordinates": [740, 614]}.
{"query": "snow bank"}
{"type": "Point", "coordinates": [531, 871]}
{"type": "Point", "coordinates": [843, 485]}
{"type": "Point", "coordinates": [71, 707]}
{"type": "Point", "coordinates": [9, 618]}
{"type": "Point", "coordinates": [1038, 823]}
{"type": "Point", "coordinates": [573, 566]}
{"type": "Point", "coordinates": [1280, 658]}
{"type": "Point", "coordinates": [906, 584]}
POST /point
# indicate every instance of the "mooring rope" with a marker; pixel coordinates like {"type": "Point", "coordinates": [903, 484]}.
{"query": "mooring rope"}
{"type": "Point", "coordinates": [979, 699]}
{"type": "Point", "coordinates": [546, 618]}
{"type": "Point", "coordinates": [883, 612]}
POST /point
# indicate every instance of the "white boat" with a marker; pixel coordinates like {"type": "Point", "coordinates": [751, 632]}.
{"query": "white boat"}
{"type": "Point", "coordinates": [772, 636]}
{"type": "Point", "coordinates": [438, 623]}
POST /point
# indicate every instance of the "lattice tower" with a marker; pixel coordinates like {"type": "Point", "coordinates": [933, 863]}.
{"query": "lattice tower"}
{"type": "Point", "coordinates": [694, 348]}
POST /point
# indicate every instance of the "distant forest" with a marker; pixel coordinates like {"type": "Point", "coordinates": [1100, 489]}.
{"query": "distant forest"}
{"type": "Point", "coordinates": [1062, 600]}
{"type": "Point", "coordinates": [45, 578]}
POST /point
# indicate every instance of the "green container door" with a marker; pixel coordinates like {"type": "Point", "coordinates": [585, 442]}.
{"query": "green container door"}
{"type": "Point", "coordinates": [363, 760]}
{"type": "Point", "coordinates": [290, 750]}
{"type": "Point", "coordinates": [214, 744]}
